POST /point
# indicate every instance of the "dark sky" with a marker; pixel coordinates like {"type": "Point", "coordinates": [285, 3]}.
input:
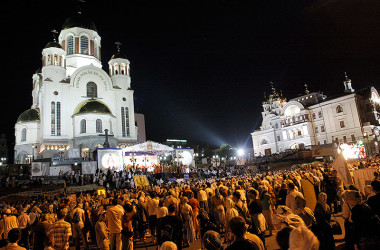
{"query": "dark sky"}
{"type": "Point", "coordinates": [199, 68]}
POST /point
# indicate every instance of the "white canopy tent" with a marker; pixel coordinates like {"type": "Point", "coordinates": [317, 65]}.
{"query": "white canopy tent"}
{"type": "Point", "coordinates": [149, 146]}
{"type": "Point", "coordinates": [145, 154]}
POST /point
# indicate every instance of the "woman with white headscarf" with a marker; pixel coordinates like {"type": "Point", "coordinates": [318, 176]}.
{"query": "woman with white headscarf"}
{"type": "Point", "coordinates": [285, 218]}
{"type": "Point", "coordinates": [302, 238]}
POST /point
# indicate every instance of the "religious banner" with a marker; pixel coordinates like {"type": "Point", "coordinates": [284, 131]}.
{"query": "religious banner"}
{"type": "Point", "coordinates": [141, 181]}
{"type": "Point", "coordinates": [110, 159]}
{"type": "Point", "coordinates": [54, 171]}
{"type": "Point", "coordinates": [340, 165]}
{"type": "Point", "coordinates": [363, 177]}
{"type": "Point", "coordinates": [65, 169]}
{"type": "Point", "coordinates": [89, 167]}
{"type": "Point", "coordinates": [309, 194]}
{"type": "Point", "coordinates": [40, 168]}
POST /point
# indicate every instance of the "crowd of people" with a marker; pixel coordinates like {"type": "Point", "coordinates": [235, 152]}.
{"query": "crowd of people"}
{"type": "Point", "coordinates": [233, 212]}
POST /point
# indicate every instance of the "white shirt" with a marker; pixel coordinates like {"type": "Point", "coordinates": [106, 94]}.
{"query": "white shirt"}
{"type": "Point", "coordinates": [161, 212]}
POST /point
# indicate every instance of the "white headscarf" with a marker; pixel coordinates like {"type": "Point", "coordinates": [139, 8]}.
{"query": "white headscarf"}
{"type": "Point", "coordinates": [302, 238]}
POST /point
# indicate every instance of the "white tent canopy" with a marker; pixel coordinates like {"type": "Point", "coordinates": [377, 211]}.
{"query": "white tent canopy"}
{"type": "Point", "coordinates": [149, 146]}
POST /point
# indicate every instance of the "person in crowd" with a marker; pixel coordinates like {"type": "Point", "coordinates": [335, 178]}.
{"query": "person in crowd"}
{"type": "Point", "coordinates": [282, 238]}
{"type": "Point", "coordinates": [40, 233]}
{"type": "Point", "coordinates": [238, 229]}
{"type": "Point", "coordinates": [61, 231]}
{"type": "Point", "coordinates": [291, 197]}
{"type": "Point", "coordinates": [266, 202]}
{"type": "Point", "coordinates": [366, 224]}
{"type": "Point", "coordinates": [127, 232]}
{"type": "Point", "coordinates": [212, 241]}
{"type": "Point", "coordinates": [304, 212]}
{"type": "Point", "coordinates": [186, 213]}
{"type": "Point", "coordinates": [14, 235]}
{"type": "Point", "coordinates": [302, 238]}
{"type": "Point", "coordinates": [24, 225]}
{"type": "Point", "coordinates": [114, 217]}
{"type": "Point", "coordinates": [323, 229]}
{"type": "Point", "coordinates": [195, 206]}
{"type": "Point", "coordinates": [172, 227]}
{"type": "Point", "coordinates": [152, 210]}
{"type": "Point", "coordinates": [77, 216]}
{"type": "Point", "coordinates": [7, 223]}
{"type": "Point", "coordinates": [101, 231]}
{"type": "Point", "coordinates": [217, 208]}
{"type": "Point", "coordinates": [49, 243]}
{"type": "Point", "coordinates": [374, 201]}
{"type": "Point", "coordinates": [284, 217]}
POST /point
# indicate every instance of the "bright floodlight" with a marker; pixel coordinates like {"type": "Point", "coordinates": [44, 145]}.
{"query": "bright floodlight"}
{"type": "Point", "coordinates": [240, 152]}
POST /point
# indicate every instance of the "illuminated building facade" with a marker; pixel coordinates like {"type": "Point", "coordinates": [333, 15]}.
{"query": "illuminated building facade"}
{"type": "Point", "coordinates": [315, 119]}
{"type": "Point", "coordinates": [75, 100]}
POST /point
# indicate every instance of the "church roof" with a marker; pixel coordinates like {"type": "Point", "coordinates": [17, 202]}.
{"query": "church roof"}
{"type": "Point", "coordinates": [30, 115]}
{"type": "Point", "coordinates": [78, 20]}
{"type": "Point", "coordinates": [53, 44]}
{"type": "Point", "coordinates": [119, 55]}
{"type": "Point", "coordinates": [92, 106]}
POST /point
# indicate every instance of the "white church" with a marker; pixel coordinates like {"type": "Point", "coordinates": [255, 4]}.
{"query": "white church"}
{"type": "Point", "coordinates": [75, 100]}
{"type": "Point", "coordinates": [314, 119]}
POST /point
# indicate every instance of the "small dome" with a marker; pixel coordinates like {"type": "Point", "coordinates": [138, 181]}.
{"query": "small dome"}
{"type": "Point", "coordinates": [78, 20]}
{"type": "Point", "coordinates": [38, 71]}
{"type": "Point", "coordinates": [119, 55]}
{"type": "Point", "coordinates": [92, 106]}
{"type": "Point", "coordinates": [31, 115]}
{"type": "Point", "coordinates": [53, 44]}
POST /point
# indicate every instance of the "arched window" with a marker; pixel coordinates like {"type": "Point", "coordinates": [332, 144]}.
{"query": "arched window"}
{"type": "Point", "coordinates": [92, 90]}
{"type": "Point", "coordinates": [84, 45]}
{"type": "Point", "coordinates": [116, 69]}
{"type": "Point", "coordinates": [99, 126]}
{"type": "Point", "coordinates": [339, 109]}
{"type": "Point", "coordinates": [58, 114]}
{"type": "Point", "coordinates": [55, 61]}
{"type": "Point", "coordinates": [122, 69]}
{"type": "Point", "coordinates": [83, 126]}
{"type": "Point", "coordinates": [48, 60]}
{"type": "Point", "coordinates": [95, 50]}
{"type": "Point", "coordinates": [23, 134]}
{"type": "Point", "coordinates": [122, 122]}
{"type": "Point", "coordinates": [70, 45]}
{"type": "Point", "coordinates": [52, 123]}
{"type": "Point", "coordinates": [127, 121]}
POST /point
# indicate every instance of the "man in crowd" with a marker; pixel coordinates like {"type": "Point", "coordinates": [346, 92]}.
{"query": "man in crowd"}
{"type": "Point", "coordinates": [114, 217]}
{"type": "Point", "coordinates": [61, 231]}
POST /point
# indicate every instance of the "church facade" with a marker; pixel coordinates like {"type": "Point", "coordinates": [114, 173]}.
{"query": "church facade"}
{"type": "Point", "coordinates": [75, 101]}
{"type": "Point", "coordinates": [314, 119]}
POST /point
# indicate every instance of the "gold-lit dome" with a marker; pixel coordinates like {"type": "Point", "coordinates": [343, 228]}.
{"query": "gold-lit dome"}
{"type": "Point", "coordinates": [30, 115]}
{"type": "Point", "coordinates": [92, 106]}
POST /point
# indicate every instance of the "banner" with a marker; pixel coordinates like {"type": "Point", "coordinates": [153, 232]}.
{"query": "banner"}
{"type": "Point", "coordinates": [65, 169]}
{"type": "Point", "coordinates": [140, 181]}
{"type": "Point", "coordinates": [110, 159]}
{"type": "Point", "coordinates": [54, 171]}
{"type": "Point", "coordinates": [89, 167]}
{"type": "Point", "coordinates": [340, 165]}
{"type": "Point", "coordinates": [363, 177]}
{"type": "Point", "coordinates": [40, 168]}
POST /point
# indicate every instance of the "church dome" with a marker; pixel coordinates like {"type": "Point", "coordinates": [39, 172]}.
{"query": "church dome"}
{"type": "Point", "coordinates": [53, 44]}
{"type": "Point", "coordinates": [30, 115]}
{"type": "Point", "coordinates": [119, 55]}
{"type": "Point", "coordinates": [92, 106]}
{"type": "Point", "coordinates": [78, 20]}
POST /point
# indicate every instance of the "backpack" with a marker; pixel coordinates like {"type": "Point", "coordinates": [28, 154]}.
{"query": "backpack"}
{"type": "Point", "coordinates": [167, 233]}
{"type": "Point", "coordinates": [76, 218]}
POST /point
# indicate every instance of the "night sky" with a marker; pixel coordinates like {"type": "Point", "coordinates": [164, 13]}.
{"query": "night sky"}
{"type": "Point", "coordinates": [199, 68]}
